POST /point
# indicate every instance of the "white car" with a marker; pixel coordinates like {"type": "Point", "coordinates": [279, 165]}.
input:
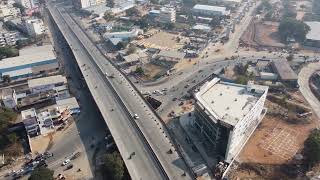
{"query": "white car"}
{"type": "Point", "coordinates": [136, 116]}
{"type": "Point", "coordinates": [66, 162]}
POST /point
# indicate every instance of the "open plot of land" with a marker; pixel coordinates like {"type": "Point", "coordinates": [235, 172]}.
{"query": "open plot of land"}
{"type": "Point", "coordinates": [161, 40]}
{"type": "Point", "coordinates": [275, 141]}
{"type": "Point", "coordinates": [281, 142]}
{"type": "Point", "coordinates": [151, 71]}
{"type": "Point", "coordinates": [266, 34]}
{"type": "Point", "coordinates": [262, 34]}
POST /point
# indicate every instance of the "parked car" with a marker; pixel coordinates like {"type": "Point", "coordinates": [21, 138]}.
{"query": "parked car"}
{"type": "Point", "coordinates": [135, 116]}
{"type": "Point", "coordinates": [65, 162]}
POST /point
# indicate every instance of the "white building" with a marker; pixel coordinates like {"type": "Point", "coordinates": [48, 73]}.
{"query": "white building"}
{"type": "Point", "coordinates": [167, 15]}
{"type": "Point", "coordinates": [68, 104]}
{"type": "Point", "coordinates": [29, 118]}
{"type": "Point", "coordinates": [313, 36]}
{"type": "Point", "coordinates": [80, 4]}
{"type": "Point", "coordinates": [31, 62]}
{"type": "Point", "coordinates": [8, 38]}
{"type": "Point", "coordinates": [35, 27]}
{"type": "Point", "coordinates": [206, 10]}
{"type": "Point", "coordinates": [226, 2]}
{"type": "Point", "coordinates": [44, 84]}
{"type": "Point", "coordinates": [116, 37]}
{"type": "Point", "coordinates": [9, 98]}
{"type": "Point", "coordinates": [9, 10]}
{"type": "Point", "coordinates": [227, 114]}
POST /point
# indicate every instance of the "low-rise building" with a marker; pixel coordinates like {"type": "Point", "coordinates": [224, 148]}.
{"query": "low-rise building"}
{"type": "Point", "coordinates": [226, 2]}
{"type": "Point", "coordinates": [32, 62]}
{"type": "Point", "coordinates": [167, 15]}
{"type": "Point", "coordinates": [68, 104]}
{"type": "Point", "coordinates": [8, 38]}
{"type": "Point", "coordinates": [133, 59]}
{"type": "Point", "coordinates": [116, 37]}
{"type": "Point", "coordinates": [9, 11]}
{"type": "Point", "coordinates": [206, 10]}
{"type": "Point", "coordinates": [313, 36]}
{"type": "Point", "coordinates": [170, 56]}
{"type": "Point", "coordinates": [285, 72]}
{"type": "Point", "coordinates": [9, 98]}
{"type": "Point", "coordinates": [35, 27]}
{"type": "Point", "coordinates": [29, 118]}
{"type": "Point", "coordinates": [227, 114]}
{"type": "Point", "coordinates": [44, 84]}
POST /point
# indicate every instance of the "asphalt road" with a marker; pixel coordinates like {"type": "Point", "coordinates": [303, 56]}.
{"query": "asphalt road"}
{"type": "Point", "coordinates": [89, 126]}
{"type": "Point", "coordinates": [303, 81]}
{"type": "Point", "coordinates": [127, 139]}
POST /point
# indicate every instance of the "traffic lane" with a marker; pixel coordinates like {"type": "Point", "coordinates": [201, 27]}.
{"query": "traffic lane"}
{"type": "Point", "coordinates": [128, 142]}
{"type": "Point", "coordinates": [66, 146]}
{"type": "Point", "coordinates": [98, 56]}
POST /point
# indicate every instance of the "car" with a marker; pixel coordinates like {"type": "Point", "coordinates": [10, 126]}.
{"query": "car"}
{"type": "Point", "coordinates": [70, 166]}
{"type": "Point", "coordinates": [174, 99]}
{"type": "Point", "coordinates": [66, 162]}
{"type": "Point", "coordinates": [135, 116]}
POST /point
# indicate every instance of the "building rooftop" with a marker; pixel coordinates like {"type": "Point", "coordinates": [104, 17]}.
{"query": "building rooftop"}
{"type": "Point", "coordinates": [69, 103]}
{"type": "Point", "coordinates": [98, 9]}
{"type": "Point", "coordinates": [6, 92]}
{"type": "Point", "coordinates": [29, 113]}
{"type": "Point", "coordinates": [46, 81]}
{"type": "Point", "coordinates": [201, 27]}
{"type": "Point", "coordinates": [284, 70]}
{"type": "Point", "coordinates": [228, 102]}
{"type": "Point", "coordinates": [171, 54]}
{"type": "Point", "coordinates": [209, 8]}
{"type": "Point", "coordinates": [314, 33]}
{"type": "Point", "coordinates": [28, 56]}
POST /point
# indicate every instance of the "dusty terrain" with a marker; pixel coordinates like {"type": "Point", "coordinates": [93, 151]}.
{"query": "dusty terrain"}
{"type": "Point", "coordinates": [262, 34]}
{"type": "Point", "coordinates": [161, 40]}
{"type": "Point", "coordinates": [274, 148]}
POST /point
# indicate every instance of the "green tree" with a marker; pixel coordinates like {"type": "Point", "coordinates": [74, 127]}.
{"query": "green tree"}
{"type": "Point", "coordinates": [110, 3]}
{"type": "Point", "coordinates": [154, 1]}
{"type": "Point", "coordinates": [13, 138]}
{"type": "Point", "coordinates": [18, 5]}
{"type": "Point", "coordinates": [290, 57]}
{"type": "Point", "coordinates": [242, 80]}
{"type": "Point", "coordinates": [215, 21]}
{"type": "Point", "coordinates": [7, 116]}
{"type": "Point", "coordinates": [6, 79]}
{"type": "Point", "coordinates": [241, 69]}
{"type": "Point", "coordinates": [311, 149]}
{"type": "Point", "coordinates": [113, 167]}
{"type": "Point", "coordinates": [139, 70]}
{"type": "Point", "coordinates": [108, 16]}
{"type": "Point", "coordinates": [292, 28]}
{"type": "Point", "coordinates": [132, 49]}
{"type": "Point", "coordinates": [169, 26]}
{"type": "Point", "coordinates": [8, 51]}
{"type": "Point", "coordinates": [41, 173]}
{"type": "Point", "coordinates": [133, 12]}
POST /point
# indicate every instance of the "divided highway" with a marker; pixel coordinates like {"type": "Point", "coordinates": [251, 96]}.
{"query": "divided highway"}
{"type": "Point", "coordinates": [155, 155]}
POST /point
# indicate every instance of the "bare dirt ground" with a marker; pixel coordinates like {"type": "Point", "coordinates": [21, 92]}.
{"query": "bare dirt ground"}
{"type": "Point", "coordinates": [151, 70]}
{"type": "Point", "coordinates": [262, 34]}
{"type": "Point", "coordinates": [266, 34]}
{"type": "Point", "coordinates": [161, 40]}
{"type": "Point", "coordinates": [272, 149]}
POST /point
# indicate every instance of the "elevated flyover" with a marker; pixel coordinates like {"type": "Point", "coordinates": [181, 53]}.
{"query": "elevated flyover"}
{"type": "Point", "coordinates": [155, 153]}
